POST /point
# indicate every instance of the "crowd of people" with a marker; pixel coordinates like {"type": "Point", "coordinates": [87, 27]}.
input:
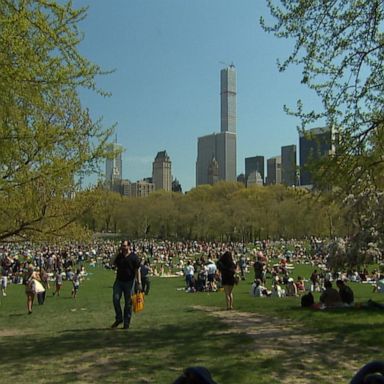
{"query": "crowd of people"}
{"type": "Point", "coordinates": [206, 266]}
{"type": "Point", "coordinates": [40, 268]}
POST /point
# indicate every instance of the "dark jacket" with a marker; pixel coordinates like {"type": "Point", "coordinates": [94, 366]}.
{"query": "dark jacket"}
{"type": "Point", "coordinates": [127, 266]}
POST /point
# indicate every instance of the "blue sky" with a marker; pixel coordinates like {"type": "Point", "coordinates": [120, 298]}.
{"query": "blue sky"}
{"type": "Point", "coordinates": [167, 56]}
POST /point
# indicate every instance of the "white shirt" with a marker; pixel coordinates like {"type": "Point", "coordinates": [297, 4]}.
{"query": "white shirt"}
{"type": "Point", "coordinates": [277, 291]}
{"type": "Point", "coordinates": [211, 268]}
{"type": "Point", "coordinates": [189, 270]}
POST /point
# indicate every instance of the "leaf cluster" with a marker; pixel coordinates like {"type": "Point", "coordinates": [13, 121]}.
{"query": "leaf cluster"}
{"type": "Point", "coordinates": [47, 138]}
{"type": "Point", "coordinates": [340, 46]}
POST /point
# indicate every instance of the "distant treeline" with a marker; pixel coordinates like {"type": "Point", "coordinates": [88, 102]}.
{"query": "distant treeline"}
{"type": "Point", "coordinates": [225, 211]}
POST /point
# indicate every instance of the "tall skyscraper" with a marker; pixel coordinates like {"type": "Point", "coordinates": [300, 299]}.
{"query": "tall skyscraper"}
{"type": "Point", "coordinates": [114, 168]}
{"type": "Point", "coordinates": [228, 99]}
{"type": "Point", "coordinates": [161, 172]}
{"type": "Point", "coordinates": [314, 144]}
{"type": "Point", "coordinates": [274, 170]}
{"type": "Point", "coordinates": [288, 165]}
{"type": "Point", "coordinates": [226, 140]}
{"type": "Point", "coordinates": [222, 145]}
{"type": "Point", "coordinates": [254, 164]}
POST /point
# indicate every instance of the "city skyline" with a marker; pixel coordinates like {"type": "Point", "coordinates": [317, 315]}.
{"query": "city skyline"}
{"type": "Point", "coordinates": [165, 88]}
{"type": "Point", "coordinates": [314, 143]}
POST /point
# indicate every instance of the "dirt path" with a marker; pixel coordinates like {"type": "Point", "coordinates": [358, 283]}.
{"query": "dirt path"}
{"type": "Point", "coordinates": [302, 357]}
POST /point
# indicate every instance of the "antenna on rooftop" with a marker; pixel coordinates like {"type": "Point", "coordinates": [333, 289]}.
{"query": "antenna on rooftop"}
{"type": "Point", "coordinates": [227, 65]}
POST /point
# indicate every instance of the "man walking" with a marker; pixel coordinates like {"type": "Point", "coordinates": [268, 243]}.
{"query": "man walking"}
{"type": "Point", "coordinates": [145, 270]}
{"type": "Point", "coordinates": [127, 264]}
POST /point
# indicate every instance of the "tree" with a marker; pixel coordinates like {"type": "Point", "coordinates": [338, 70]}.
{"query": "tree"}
{"type": "Point", "coordinates": [340, 46]}
{"type": "Point", "coordinates": [105, 210]}
{"type": "Point", "coordinates": [47, 138]}
{"type": "Point", "coordinates": [198, 213]}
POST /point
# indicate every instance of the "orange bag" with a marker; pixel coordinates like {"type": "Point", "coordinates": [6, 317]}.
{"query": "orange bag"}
{"type": "Point", "coordinates": [138, 302]}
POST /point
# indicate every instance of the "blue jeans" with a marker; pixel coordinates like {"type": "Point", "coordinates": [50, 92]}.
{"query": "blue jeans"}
{"type": "Point", "coordinates": [120, 287]}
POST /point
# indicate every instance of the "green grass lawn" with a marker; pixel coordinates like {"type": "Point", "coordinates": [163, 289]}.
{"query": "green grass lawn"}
{"type": "Point", "coordinates": [69, 341]}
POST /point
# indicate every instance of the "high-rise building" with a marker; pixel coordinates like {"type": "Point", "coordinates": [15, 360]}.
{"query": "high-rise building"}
{"type": "Point", "coordinates": [288, 165]}
{"type": "Point", "coordinates": [228, 99]}
{"type": "Point", "coordinates": [114, 168]}
{"type": "Point", "coordinates": [222, 145]}
{"type": "Point", "coordinates": [206, 150]}
{"type": "Point", "coordinates": [314, 144]}
{"type": "Point", "coordinates": [161, 172]}
{"type": "Point", "coordinates": [274, 170]}
{"type": "Point", "coordinates": [252, 164]}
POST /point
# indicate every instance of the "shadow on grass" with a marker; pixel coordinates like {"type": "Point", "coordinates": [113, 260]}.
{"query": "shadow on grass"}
{"type": "Point", "coordinates": [362, 326]}
{"type": "Point", "coordinates": [17, 314]}
{"type": "Point", "coordinates": [157, 353]}
{"type": "Point", "coordinates": [93, 354]}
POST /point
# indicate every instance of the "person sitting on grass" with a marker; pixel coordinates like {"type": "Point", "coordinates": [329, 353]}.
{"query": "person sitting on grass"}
{"type": "Point", "coordinates": [258, 290]}
{"type": "Point", "coordinates": [291, 289]}
{"type": "Point", "coordinates": [277, 291]}
{"type": "Point", "coordinates": [300, 285]}
{"type": "Point", "coordinates": [330, 297]}
{"type": "Point", "coordinates": [307, 300]}
{"type": "Point", "coordinates": [345, 292]}
{"type": "Point", "coordinates": [379, 285]}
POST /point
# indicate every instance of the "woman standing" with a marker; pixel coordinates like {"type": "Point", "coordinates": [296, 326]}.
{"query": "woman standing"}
{"type": "Point", "coordinates": [28, 280]}
{"type": "Point", "coordinates": [58, 282]}
{"type": "Point", "coordinates": [227, 268]}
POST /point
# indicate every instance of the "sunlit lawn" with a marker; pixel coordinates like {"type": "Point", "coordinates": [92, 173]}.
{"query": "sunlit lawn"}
{"type": "Point", "coordinates": [67, 340]}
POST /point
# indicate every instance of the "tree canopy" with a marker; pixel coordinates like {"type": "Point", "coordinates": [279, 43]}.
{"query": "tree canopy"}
{"type": "Point", "coordinates": [47, 138]}
{"type": "Point", "coordinates": [222, 212]}
{"type": "Point", "coordinates": [340, 46]}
